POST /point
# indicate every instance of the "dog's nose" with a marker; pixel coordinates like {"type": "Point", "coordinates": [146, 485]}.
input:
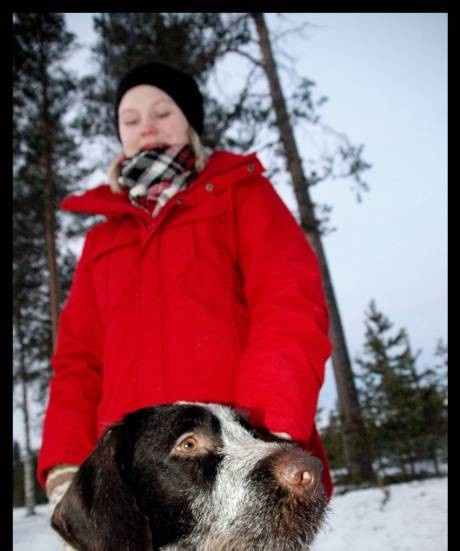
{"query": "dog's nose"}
{"type": "Point", "coordinates": [297, 471]}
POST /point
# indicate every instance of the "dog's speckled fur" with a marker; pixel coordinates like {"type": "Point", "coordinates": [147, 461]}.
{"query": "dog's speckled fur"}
{"type": "Point", "coordinates": [136, 492]}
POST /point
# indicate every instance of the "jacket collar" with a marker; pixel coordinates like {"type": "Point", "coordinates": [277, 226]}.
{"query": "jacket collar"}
{"type": "Point", "coordinates": [222, 168]}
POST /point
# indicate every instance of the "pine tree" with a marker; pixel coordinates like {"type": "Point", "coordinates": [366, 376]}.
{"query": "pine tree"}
{"type": "Point", "coordinates": [439, 371]}
{"type": "Point", "coordinates": [18, 482]}
{"type": "Point", "coordinates": [358, 462]}
{"type": "Point", "coordinates": [403, 410]}
{"type": "Point", "coordinates": [432, 442]}
{"type": "Point", "coordinates": [45, 161]}
{"type": "Point", "coordinates": [331, 435]}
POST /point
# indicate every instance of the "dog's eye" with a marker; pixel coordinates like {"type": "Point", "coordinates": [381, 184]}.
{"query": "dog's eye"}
{"type": "Point", "coordinates": [189, 444]}
{"type": "Point", "coordinates": [192, 444]}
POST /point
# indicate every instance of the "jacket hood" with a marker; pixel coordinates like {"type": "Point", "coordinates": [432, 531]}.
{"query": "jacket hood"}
{"type": "Point", "coordinates": [222, 166]}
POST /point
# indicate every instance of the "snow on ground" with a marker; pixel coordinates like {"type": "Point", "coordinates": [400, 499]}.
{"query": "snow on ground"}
{"type": "Point", "coordinates": [411, 517]}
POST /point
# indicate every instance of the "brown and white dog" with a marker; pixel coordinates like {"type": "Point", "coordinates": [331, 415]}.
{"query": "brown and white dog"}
{"type": "Point", "coordinates": [192, 477]}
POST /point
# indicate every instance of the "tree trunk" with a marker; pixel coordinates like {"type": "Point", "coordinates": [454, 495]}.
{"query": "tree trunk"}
{"type": "Point", "coordinates": [437, 470]}
{"type": "Point", "coordinates": [50, 238]}
{"type": "Point", "coordinates": [48, 201]}
{"type": "Point", "coordinates": [29, 472]}
{"type": "Point", "coordinates": [358, 463]}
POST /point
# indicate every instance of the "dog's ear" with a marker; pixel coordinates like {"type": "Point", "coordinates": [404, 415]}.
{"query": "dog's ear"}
{"type": "Point", "coordinates": [99, 512]}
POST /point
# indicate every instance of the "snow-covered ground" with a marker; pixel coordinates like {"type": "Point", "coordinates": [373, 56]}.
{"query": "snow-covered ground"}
{"type": "Point", "coordinates": [410, 517]}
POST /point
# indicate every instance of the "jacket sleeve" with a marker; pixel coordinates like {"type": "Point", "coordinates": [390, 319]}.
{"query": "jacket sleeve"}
{"type": "Point", "coordinates": [282, 367]}
{"type": "Point", "coordinates": [70, 428]}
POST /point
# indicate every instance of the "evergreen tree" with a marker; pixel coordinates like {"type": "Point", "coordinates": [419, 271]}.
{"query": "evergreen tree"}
{"type": "Point", "coordinates": [432, 443]}
{"type": "Point", "coordinates": [402, 407]}
{"type": "Point", "coordinates": [45, 161]}
{"type": "Point", "coordinates": [439, 372]}
{"type": "Point", "coordinates": [18, 482]}
{"type": "Point", "coordinates": [16, 453]}
{"type": "Point", "coordinates": [45, 167]}
{"type": "Point", "coordinates": [354, 436]}
{"type": "Point", "coordinates": [333, 441]}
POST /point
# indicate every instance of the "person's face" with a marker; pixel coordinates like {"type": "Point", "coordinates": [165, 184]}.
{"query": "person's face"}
{"type": "Point", "coordinates": [147, 116]}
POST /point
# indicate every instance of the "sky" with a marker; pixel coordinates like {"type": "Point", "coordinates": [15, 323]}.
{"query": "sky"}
{"type": "Point", "coordinates": [385, 75]}
{"type": "Point", "coordinates": [410, 517]}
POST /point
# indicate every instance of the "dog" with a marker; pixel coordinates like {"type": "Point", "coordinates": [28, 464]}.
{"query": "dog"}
{"type": "Point", "coordinates": [192, 477]}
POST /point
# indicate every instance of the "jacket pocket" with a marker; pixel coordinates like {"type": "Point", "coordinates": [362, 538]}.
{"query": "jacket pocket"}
{"type": "Point", "coordinates": [198, 240]}
{"type": "Point", "coordinates": [115, 278]}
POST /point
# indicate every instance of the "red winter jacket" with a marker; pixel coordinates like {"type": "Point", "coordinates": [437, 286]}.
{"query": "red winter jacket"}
{"type": "Point", "coordinates": [218, 299]}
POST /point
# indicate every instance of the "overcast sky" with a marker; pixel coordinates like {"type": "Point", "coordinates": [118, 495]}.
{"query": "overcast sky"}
{"type": "Point", "coordinates": [386, 79]}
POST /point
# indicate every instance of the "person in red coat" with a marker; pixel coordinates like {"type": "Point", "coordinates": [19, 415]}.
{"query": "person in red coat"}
{"type": "Point", "coordinates": [198, 286]}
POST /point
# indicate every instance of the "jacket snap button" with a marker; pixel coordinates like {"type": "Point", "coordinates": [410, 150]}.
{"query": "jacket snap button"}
{"type": "Point", "coordinates": [209, 187]}
{"type": "Point", "coordinates": [250, 168]}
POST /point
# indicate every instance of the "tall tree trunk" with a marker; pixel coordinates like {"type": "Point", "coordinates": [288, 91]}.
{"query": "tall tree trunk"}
{"type": "Point", "coordinates": [29, 471]}
{"type": "Point", "coordinates": [50, 238]}
{"type": "Point", "coordinates": [358, 463]}
{"type": "Point", "coordinates": [48, 200]}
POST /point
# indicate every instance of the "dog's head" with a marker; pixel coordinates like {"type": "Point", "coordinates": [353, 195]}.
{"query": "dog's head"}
{"type": "Point", "coordinates": [196, 477]}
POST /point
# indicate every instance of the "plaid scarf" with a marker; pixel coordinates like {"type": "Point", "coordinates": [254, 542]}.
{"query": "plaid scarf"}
{"type": "Point", "coordinates": [153, 176]}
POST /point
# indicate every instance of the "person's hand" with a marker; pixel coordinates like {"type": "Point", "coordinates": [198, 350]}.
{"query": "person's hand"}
{"type": "Point", "coordinates": [57, 482]}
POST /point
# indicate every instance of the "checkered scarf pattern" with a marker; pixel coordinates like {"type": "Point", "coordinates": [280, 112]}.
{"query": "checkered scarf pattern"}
{"type": "Point", "coordinates": [153, 176]}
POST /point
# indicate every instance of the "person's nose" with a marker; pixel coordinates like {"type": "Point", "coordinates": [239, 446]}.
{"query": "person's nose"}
{"type": "Point", "coordinates": [148, 127]}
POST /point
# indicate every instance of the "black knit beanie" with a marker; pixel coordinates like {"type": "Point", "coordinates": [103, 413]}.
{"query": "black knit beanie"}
{"type": "Point", "coordinates": [181, 87]}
